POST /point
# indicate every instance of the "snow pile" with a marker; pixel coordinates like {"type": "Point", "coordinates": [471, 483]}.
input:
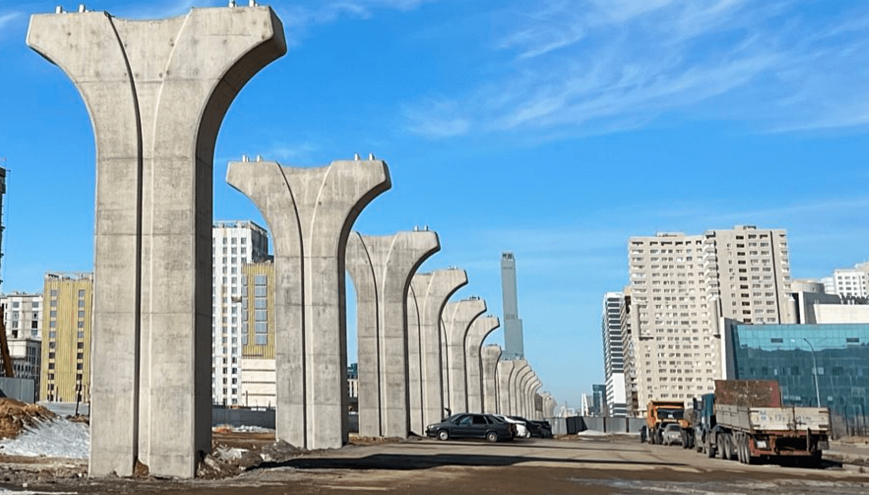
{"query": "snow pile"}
{"type": "Point", "coordinates": [53, 438]}
{"type": "Point", "coordinates": [591, 433]}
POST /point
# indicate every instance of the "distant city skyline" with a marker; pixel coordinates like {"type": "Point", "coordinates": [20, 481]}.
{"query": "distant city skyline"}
{"type": "Point", "coordinates": [553, 130]}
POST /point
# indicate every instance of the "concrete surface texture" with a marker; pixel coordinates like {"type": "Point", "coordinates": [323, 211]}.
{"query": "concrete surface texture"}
{"type": "Point", "coordinates": [503, 374]}
{"type": "Point", "coordinates": [310, 212]}
{"type": "Point", "coordinates": [381, 268]}
{"type": "Point", "coordinates": [426, 298]}
{"type": "Point", "coordinates": [477, 333]}
{"type": "Point", "coordinates": [458, 316]}
{"type": "Point", "coordinates": [534, 412]}
{"type": "Point", "coordinates": [524, 378]}
{"type": "Point", "coordinates": [549, 405]}
{"type": "Point", "coordinates": [490, 356]}
{"type": "Point", "coordinates": [156, 92]}
{"type": "Point", "coordinates": [514, 389]}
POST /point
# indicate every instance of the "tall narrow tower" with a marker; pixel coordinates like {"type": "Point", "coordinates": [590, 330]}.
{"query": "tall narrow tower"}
{"type": "Point", "coordinates": [514, 347]}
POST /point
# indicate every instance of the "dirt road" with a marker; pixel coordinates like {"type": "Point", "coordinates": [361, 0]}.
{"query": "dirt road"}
{"type": "Point", "coordinates": [598, 465]}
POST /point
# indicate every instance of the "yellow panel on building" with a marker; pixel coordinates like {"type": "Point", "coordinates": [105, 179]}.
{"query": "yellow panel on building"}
{"type": "Point", "coordinates": [258, 310]}
{"type": "Point", "coordinates": [66, 350]}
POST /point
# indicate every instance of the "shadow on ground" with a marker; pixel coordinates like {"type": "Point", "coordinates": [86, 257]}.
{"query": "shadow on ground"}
{"type": "Point", "coordinates": [413, 461]}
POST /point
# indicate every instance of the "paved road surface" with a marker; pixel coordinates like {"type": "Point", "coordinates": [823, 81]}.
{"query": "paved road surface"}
{"type": "Point", "coordinates": [597, 465]}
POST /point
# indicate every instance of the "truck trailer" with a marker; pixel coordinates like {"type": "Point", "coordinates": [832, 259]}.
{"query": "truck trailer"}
{"type": "Point", "coordinates": [745, 420]}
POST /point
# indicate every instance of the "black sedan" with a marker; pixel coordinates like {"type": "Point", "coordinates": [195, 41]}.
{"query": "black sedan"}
{"type": "Point", "coordinates": [470, 426]}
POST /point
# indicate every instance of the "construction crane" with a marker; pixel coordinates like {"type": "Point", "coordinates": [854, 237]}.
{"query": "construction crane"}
{"type": "Point", "coordinates": [9, 371]}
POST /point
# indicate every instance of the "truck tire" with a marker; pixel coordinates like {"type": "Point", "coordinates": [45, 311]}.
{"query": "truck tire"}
{"type": "Point", "coordinates": [709, 447]}
{"type": "Point", "coordinates": [740, 450]}
{"type": "Point", "coordinates": [719, 447]}
{"type": "Point", "coordinates": [728, 447]}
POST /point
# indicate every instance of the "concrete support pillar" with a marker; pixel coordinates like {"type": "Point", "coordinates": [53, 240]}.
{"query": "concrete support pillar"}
{"type": "Point", "coordinates": [381, 269]}
{"type": "Point", "coordinates": [490, 355]}
{"type": "Point", "coordinates": [549, 404]}
{"type": "Point", "coordinates": [426, 299]}
{"type": "Point", "coordinates": [505, 374]}
{"type": "Point", "coordinates": [529, 395]}
{"type": "Point", "coordinates": [310, 212]}
{"type": "Point", "coordinates": [520, 372]}
{"type": "Point", "coordinates": [477, 333]}
{"type": "Point", "coordinates": [523, 393]}
{"type": "Point", "coordinates": [537, 400]}
{"type": "Point", "coordinates": [156, 92]}
{"type": "Point", "coordinates": [458, 317]}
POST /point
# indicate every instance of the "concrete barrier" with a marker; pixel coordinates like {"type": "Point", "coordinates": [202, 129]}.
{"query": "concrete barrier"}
{"type": "Point", "coordinates": [264, 418]}
{"type": "Point", "coordinates": [18, 389]}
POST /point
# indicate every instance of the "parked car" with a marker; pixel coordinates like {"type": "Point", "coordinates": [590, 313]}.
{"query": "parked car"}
{"type": "Point", "coordinates": [672, 434]}
{"type": "Point", "coordinates": [521, 426]}
{"type": "Point", "coordinates": [467, 425]}
{"type": "Point", "coordinates": [545, 428]}
{"type": "Point", "coordinates": [537, 428]}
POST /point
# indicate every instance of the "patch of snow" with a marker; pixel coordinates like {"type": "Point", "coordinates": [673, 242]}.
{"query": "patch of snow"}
{"type": "Point", "coordinates": [591, 433]}
{"type": "Point", "coordinates": [58, 438]}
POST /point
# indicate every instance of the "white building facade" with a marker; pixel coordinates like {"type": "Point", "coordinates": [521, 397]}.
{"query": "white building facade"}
{"type": "Point", "coordinates": [234, 243]}
{"type": "Point", "coordinates": [23, 315]}
{"type": "Point", "coordinates": [613, 319]}
{"type": "Point", "coordinates": [681, 285]}
{"type": "Point", "coordinates": [852, 282]}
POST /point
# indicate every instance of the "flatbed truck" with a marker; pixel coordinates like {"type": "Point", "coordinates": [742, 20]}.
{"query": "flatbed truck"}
{"type": "Point", "coordinates": [745, 420]}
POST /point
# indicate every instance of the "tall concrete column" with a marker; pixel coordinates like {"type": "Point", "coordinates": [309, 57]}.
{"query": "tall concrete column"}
{"type": "Point", "coordinates": [536, 410]}
{"type": "Point", "coordinates": [310, 212]}
{"type": "Point", "coordinates": [490, 354]}
{"type": "Point", "coordinates": [524, 379]}
{"type": "Point", "coordinates": [528, 395]}
{"type": "Point", "coordinates": [156, 92]}
{"type": "Point", "coordinates": [505, 374]}
{"type": "Point", "coordinates": [477, 333]}
{"type": "Point", "coordinates": [426, 298]}
{"type": "Point", "coordinates": [458, 317]}
{"type": "Point", "coordinates": [381, 268]}
{"type": "Point", "coordinates": [521, 370]}
{"type": "Point", "coordinates": [549, 405]}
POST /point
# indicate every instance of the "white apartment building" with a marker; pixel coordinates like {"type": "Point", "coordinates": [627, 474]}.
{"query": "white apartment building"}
{"type": "Point", "coordinates": [681, 285]}
{"type": "Point", "coordinates": [852, 282]}
{"type": "Point", "coordinates": [23, 315]}
{"type": "Point", "coordinates": [234, 243]}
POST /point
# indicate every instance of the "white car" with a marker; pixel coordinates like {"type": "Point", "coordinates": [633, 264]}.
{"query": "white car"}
{"type": "Point", "coordinates": [521, 428]}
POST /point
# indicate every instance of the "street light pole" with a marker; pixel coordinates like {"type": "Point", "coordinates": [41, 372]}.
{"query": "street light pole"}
{"type": "Point", "coordinates": [814, 372]}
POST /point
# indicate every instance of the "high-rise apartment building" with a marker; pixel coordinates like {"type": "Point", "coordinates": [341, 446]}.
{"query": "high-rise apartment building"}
{"type": "Point", "coordinates": [66, 343]}
{"type": "Point", "coordinates": [599, 406]}
{"type": "Point", "coordinates": [852, 282]}
{"type": "Point", "coordinates": [23, 323]}
{"type": "Point", "coordinates": [234, 244]}
{"type": "Point", "coordinates": [514, 344]}
{"type": "Point", "coordinates": [680, 287]}
{"type": "Point", "coordinates": [22, 315]}
{"type": "Point", "coordinates": [258, 375]}
{"type": "Point", "coordinates": [613, 321]}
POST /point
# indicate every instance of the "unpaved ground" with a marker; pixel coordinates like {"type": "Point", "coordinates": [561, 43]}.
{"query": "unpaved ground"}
{"type": "Point", "coordinates": [15, 416]}
{"type": "Point", "coordinates": [597, 465]}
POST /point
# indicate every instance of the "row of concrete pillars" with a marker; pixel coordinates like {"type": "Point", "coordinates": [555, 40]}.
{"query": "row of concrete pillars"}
{"type": "Point", "coordinates": [157, 92]}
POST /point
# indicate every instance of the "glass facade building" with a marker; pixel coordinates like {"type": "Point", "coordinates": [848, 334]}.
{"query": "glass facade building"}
{"type": "Point", "coordinates": [826, 363]}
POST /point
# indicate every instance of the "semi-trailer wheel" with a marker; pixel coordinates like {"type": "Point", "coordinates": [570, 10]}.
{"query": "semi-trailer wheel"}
{"type": "Point", "coordinates": [728, 447]}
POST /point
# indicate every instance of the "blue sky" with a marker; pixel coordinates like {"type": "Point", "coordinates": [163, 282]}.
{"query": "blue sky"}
{"type": "Point", "coordinates": [553, 129]}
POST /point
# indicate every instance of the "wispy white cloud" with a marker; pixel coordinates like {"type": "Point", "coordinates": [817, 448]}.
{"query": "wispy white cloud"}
{"type": "Point", "coordinates": [299, 18]}
{"type": "Point", "coordinates": [7, 19]}
{"type": "Point", "coordinates": [163, 8]}
{"type": "Point", "coordinates": [593, 66]}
